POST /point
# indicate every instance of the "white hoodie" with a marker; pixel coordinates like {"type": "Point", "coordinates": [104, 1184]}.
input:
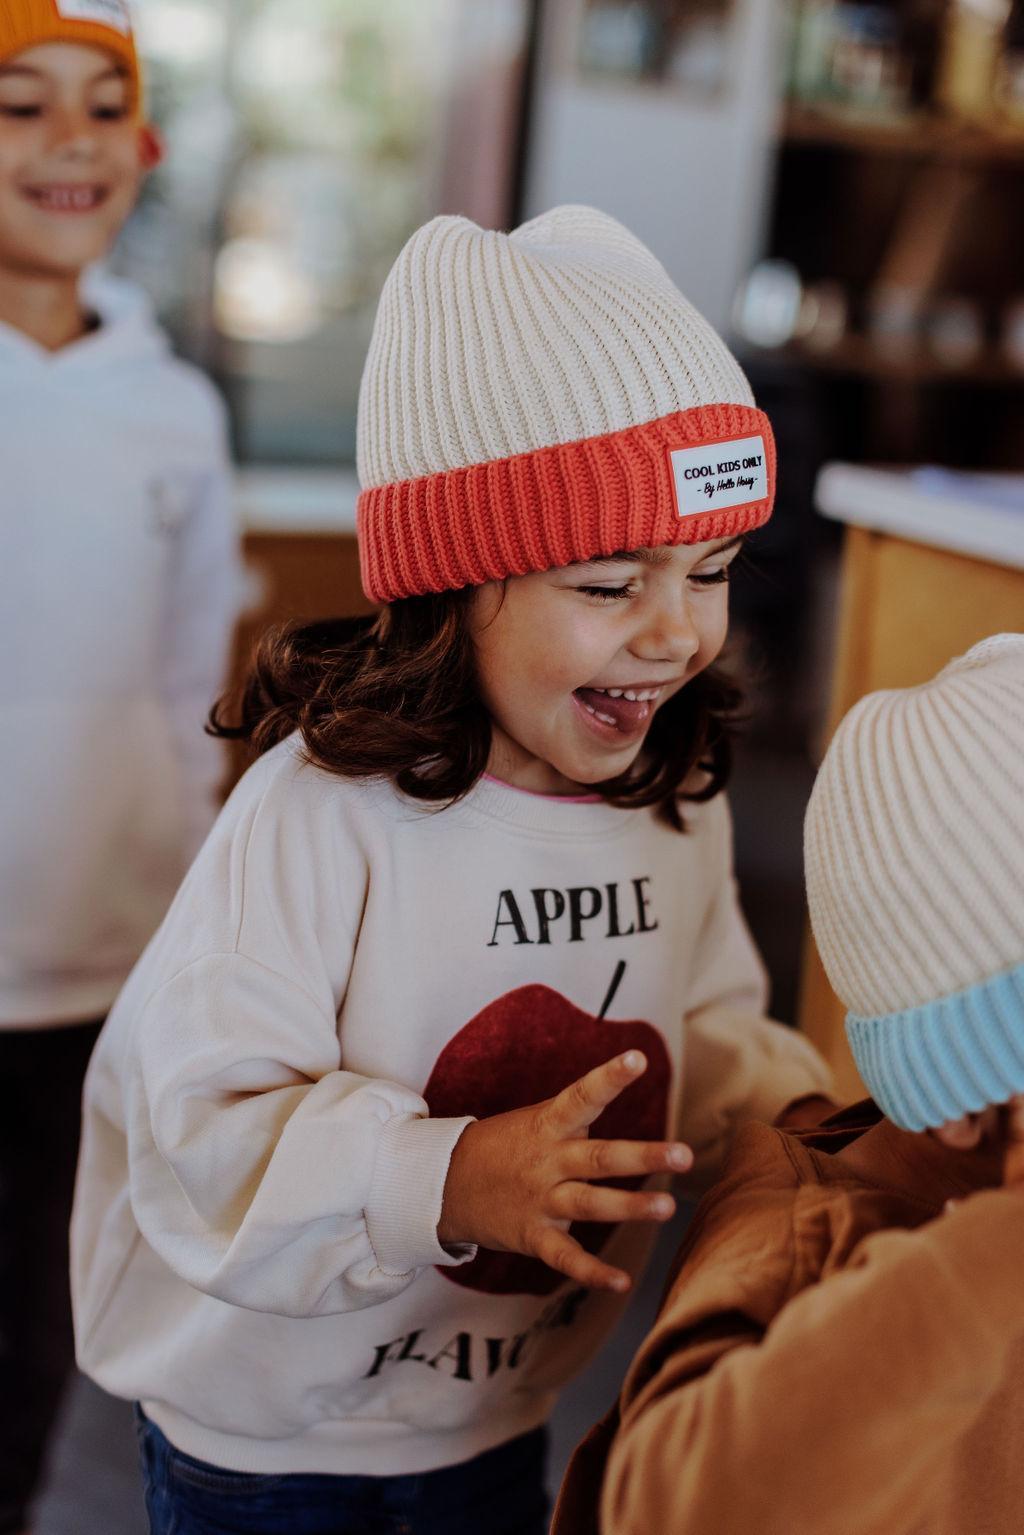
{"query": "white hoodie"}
{"type": "Point", "coordinates": [119, 583]}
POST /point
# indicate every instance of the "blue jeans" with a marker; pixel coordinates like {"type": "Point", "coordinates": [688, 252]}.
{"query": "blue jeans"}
{"type": "Point", "coordinates": [498, 1493]}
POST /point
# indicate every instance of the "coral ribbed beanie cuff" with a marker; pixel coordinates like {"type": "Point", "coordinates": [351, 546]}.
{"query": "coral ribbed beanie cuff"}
{"type": "Point", "coordinates": [914, 845]}
{"type": "Point", "coordinates": [534, 399]}
{"type": "Point", "coordinates": [103, 24]}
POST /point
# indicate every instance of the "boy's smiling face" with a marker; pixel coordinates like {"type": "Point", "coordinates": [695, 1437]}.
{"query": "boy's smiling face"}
{"type": "Point", "coordinates": [573, 663]}
{"type": "Point", "coordinates": [71, 157]}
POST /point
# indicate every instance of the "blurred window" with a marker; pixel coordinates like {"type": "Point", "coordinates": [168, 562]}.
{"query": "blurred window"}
{"type": "Point", "coordinates": [306, 140]}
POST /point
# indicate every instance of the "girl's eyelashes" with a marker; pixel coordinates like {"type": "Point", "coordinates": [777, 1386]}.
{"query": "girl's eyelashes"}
{"type": "Point", "coordinates": [699, 578]}
{"type": "Point", "coordinates": [606, 591]}
{"type": "Point", "coordinates": [9, 109]}
{"type": "Point", "coordinates": [702, 578]}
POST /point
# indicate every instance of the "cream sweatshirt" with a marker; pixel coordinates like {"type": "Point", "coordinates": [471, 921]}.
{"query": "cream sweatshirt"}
{"type": "Point", "coordinates": [345, 979]}
{"type": "Point", "coordinates": [119, 584]}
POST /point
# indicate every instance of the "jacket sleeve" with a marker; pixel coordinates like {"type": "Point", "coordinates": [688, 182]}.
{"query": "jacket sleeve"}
{"type": "Point", "coordinates": [885, 1365]}
{"type": "Point", "coordinates": [738, 1064]}
{"type": "Point", "coordinates": [203, 598]}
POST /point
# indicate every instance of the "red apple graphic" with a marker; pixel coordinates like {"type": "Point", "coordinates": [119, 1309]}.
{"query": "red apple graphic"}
{"type": "Point", "coordinates": [523, 1048]}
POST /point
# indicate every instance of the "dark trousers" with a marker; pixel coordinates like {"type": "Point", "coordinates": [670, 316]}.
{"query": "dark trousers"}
{"type": "Point", "coordinates": [498, 1493]}
{"type": "Point", "coordinates": [41, 1072]}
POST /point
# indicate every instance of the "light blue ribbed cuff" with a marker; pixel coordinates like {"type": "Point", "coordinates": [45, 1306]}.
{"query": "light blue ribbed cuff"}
{"type": "Point", "coordinates": [947, 1058]}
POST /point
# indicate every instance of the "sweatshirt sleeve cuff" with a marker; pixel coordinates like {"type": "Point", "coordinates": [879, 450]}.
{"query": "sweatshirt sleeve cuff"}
{"type": "Point", "coordinates": [738, 1068]}
{"type": "Point", "coordinates": [404, 1206]}
{"type": "Point", "coordinates": [797, 1071]}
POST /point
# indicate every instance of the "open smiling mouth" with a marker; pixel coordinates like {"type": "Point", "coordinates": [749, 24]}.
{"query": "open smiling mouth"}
{"type": "Point", "coordinates": [623, 711]}
{"type": "Point", "coordinates": [67, 199]}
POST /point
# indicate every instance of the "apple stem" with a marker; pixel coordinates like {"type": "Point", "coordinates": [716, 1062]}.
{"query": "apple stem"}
{"type": "Point", "coordinates": [620, 971]}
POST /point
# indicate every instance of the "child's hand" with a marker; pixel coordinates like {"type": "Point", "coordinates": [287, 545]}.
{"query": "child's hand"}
{"type": "Point", "coordinates": [517, 1180]}
{"type": "Point", "coordinates": [806, 1112]}
{"type": "Point", "coordinates": [1008, 1122]}
{"type": "Point", "coordinates": [1013, 1158]}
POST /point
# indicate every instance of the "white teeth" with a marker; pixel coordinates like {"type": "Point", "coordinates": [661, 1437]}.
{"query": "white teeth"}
{"type": "Point", "coordinates": [634, 695]}
{"type": "Point", "coordinates": [69, 199]}
{"type": "Point", "coordinates": [608, 719]}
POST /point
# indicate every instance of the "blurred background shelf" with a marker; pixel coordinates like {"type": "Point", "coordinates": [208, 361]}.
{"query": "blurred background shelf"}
{"type": "Point", "coordinates": [860, 357]}
{"type": "Point", "coordinates": [924, 135]}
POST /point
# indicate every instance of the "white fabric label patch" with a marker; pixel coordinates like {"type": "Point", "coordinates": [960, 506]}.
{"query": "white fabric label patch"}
{"type": "Point", "coordinates": [717, 475]}
{"type": "Point", "coordinates": [105, 13]}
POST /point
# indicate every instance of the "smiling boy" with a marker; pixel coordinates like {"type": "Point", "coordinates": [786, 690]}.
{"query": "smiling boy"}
{"type": "Point", "coordinates": [73, 151]}
{"type": "Point", "coordinates": [118, 584]}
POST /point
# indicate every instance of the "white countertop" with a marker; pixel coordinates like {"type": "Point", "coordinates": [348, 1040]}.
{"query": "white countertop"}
{"type": "Point", "coordinates": [283, 499]}
{"type": "Point", "coordinates": [976, 514]}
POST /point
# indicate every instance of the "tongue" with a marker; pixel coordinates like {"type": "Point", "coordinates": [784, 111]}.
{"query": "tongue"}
{"type": "Point", "coordinates": [628, 714]}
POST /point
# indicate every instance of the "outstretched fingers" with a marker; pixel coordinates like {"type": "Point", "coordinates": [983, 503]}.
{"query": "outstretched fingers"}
{"type": "Point", "coordinates": [564, 1254]}
{"type": "Point", "coordinates": [588, 1202]}
{"type": "Point", "coordinates": [623, 1159]}
{"type": "Point", "coordinates": [583, 1101]}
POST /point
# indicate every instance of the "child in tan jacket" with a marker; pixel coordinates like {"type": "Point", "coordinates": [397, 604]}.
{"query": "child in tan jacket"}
{"type": "Point", "coordinates": [841, 1347]}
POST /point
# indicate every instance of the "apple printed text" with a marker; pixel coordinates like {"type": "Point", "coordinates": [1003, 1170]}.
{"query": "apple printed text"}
{"type": "Point", "coordinates": [581, 911]}
{"type": "Point", "coordinates": [467, 1357]}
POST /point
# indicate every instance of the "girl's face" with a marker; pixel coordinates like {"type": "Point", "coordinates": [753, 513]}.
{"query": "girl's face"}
{"type": "Point", "coordinates": [71, 157]}
{"type": "Point", "coordinates": [574, 663]}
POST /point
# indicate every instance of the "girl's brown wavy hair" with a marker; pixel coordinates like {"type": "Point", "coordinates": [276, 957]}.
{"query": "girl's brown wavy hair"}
{"type": "Point", "coordinates": [395, 696]}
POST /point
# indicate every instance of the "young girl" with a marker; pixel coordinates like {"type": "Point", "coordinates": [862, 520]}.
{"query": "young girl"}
{"type": "Point", "coordinates": [433, 987]}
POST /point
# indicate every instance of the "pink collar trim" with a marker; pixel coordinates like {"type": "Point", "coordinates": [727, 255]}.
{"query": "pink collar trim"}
{"type": "Point", "coordinates": [558, 799]}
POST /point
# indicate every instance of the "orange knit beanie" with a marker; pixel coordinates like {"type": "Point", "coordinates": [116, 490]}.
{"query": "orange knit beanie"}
{"type": "Point", "coordinates": [100, 23]}
{"type": "Point", "coordinates": [542, 397]}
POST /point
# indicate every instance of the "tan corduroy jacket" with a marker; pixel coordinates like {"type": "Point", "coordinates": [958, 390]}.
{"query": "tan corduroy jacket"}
{"type": "Point", "coordinates": [833, 1357]}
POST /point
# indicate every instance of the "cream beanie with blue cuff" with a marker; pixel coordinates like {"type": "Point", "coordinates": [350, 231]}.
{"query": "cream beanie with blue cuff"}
{"type": "Point", "coordinates": [914, 849]}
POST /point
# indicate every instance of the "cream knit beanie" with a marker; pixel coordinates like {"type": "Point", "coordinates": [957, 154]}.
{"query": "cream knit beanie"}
{"type": "Point", "coordinates": [541, 397]}
{"type": "Point", "coordinates": [914, 846]}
